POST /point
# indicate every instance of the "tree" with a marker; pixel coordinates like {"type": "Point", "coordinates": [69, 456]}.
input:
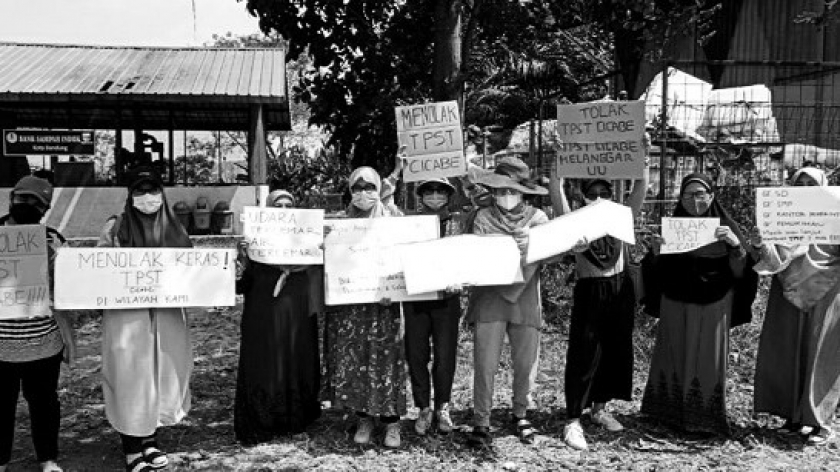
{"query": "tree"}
{"type": "Point", "coordinates": [371, 55]}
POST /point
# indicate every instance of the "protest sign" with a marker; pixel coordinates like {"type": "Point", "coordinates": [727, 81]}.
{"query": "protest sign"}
{"type": "Point", "coordinates": [433, 140]}
{"type": "Point", "coordinates": [687, 234]}
{"type": "Point", "coordinates": [361, 258]}
{"type": "Point", "coordinates": [24, 279]}
{"type": "Point", "coordinates": [593, 221]}
{"type": "Point", "coordinates": [601, 140]}
{"type": "Point", "coordinates": [460, 260]}
{"type": "Point", "coordinates": [798, 215]}
{"type": "Point", "coordinates": [119, 278]}
{"type": "Point", "coordinates": [287, 236]}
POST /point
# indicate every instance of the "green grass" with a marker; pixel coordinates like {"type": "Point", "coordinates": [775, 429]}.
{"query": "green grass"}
{"type": "Point", "coordinates": [205, 439]}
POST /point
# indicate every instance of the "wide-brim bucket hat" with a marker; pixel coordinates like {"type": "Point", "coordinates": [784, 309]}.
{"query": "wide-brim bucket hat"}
{"type": "Point", "coordinates": [511, 173]}
{"type": "Point", "coordinates": [440, 181]}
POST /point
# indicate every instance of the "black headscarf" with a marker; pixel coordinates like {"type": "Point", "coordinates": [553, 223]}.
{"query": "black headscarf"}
{"type": "Point", "coordinates": [704, 275]}
{"type": "Point", "coordinates": [604, 252]}
{"type": "Point", "coordinates": [162, 229]}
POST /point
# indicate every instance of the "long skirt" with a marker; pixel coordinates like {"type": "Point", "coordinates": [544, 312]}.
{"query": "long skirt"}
{"type": "Point", "coordinates": [146, 366]}
{"type": "Point", "coordinates": [686, 388]}
{"type": "Point", "coordinates": [279, 367]}
{"type": "Point", "coordinates": [797, 374]}
{"type": "Point", "coordinates": [599, 363]}
{"type": "Point", "coordinates": [366, 366]}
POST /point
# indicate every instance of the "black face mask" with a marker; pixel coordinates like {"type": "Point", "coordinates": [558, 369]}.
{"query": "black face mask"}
{"type": "Point", "coordinates": [25, 214]}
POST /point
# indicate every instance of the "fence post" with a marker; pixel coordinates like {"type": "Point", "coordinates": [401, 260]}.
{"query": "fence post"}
{"type": "Point", "coordinates": [663, 132]}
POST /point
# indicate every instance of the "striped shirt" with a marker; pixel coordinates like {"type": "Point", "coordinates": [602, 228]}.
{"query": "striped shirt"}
{"type": "Point", "coordinates": [30, 339]}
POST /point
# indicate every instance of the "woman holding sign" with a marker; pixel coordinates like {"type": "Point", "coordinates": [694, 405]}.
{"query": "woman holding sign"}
{"type": "Point", "coordinates": [599, 360]}
{"type": "Point", "coordinates": [279, 376]}
{"type": "Point", "coordinates": [31, 348]}
{"type": "Point", "coordinates": [797, 374]}
{"type": "Point", "coordinates": [146, 353]}
{"type": "Point", "coordinates": [434, 322]}
{"type": "Point", "coordinates": [514, 310]}
{"type": "Point", "coordinates": [365, 341]}
{"type": "Point", "coordinates": [704, 292]}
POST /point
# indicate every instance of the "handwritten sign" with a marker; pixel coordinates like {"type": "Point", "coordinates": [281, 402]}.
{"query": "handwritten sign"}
{"type": "Point", "coordinates": [601, 140]}
{"type": "Point", "coordinates": [24, 279]}
{"type": "Point", "coordinates": [362, 262]}
{"type": "Point", "coordinates": [687, 234]}
{"type": "Point", "coordinates": [287, 236]}
{"type": "Point", "coordinates": [116, 278]}
{"type": "Point", "coordinates": [461, 260]}
{"type": "Point", "coordinates": [798, 215]}
{"type": "Point", "coordinates": [593, 221]}
{"type": "Point", "coordinates": [433, 140]}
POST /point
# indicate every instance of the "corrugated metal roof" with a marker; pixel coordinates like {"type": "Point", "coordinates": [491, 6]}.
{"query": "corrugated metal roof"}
{"type": "Point", "coordinates": [75, 87]}
{"type": "Point", "coordinates": [102, 70]}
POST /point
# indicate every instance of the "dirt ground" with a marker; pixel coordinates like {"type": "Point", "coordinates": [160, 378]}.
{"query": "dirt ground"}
{"type": "Point", "coordinates": [204, 441]}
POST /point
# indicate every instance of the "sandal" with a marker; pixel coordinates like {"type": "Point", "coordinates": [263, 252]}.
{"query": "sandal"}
{"type": "Point", "coordinates": [525, 430]}
{"type": "Point", "coordinates": [139, 465]}
{"type": "Point", "coordinates": [480, 437]}
{"type": "Point", "coordinates": [155, 457]}
{"type": "Point", "coordinates": [789, 427]}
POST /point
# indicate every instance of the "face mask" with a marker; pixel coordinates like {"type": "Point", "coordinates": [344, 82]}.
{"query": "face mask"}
{"type": "Point", "coordinates": [508, 202]}
{"type": "Point", "coordinates": [148, 203]}
{"type": "Point", "coordinates": [363, 201]}
{"type": "Point", "coordinates": [25, 214]}
{"type": "Point", "coordinates": [435, 201]}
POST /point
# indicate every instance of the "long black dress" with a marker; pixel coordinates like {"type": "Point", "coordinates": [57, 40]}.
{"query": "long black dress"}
{"type": "Point", "coordinates": [279, 368]}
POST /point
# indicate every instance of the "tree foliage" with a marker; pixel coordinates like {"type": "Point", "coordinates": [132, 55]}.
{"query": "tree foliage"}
{"type": "Point", "coordinates": [368, 56]}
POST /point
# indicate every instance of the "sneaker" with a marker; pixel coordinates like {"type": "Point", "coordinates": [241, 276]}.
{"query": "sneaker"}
{"type": "Point", "coordinates": [49, 466]}
{"type": "Point", "coordinates": [444, 422]}
{"type": "Point", "coordinates": [821, 436]}
{"type": "Point", "coordinates": [573, 435]}
{"type": "Point", "coordinates": [392, 435]}
{"type": "Point", "coordinates": [606, 420]}
{"type": "Point", "coordinates": [424, 421]}
{"type": "Point", "coordinates": [364, 430]}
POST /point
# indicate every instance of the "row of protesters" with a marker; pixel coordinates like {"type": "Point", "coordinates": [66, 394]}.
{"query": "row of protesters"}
{"type": "Point", "coordinates": [698, 296]}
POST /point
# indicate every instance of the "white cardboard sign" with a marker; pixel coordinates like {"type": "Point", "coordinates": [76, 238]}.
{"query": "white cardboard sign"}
{"type": "Point", "coordinates": [593, 221]}
{"type": "Point", "coordinates": [433, 140]}
{"type": "Point", "coordinates": [687, 234]}
{"type": "Point", "coordinates": [461, 260]}
{"type": "Point", "coordinates": [362, 261]}
{"type": "Point", "coordinates": [287, 236]}
{"type": "Point", "coordinates": [24, 278]}
{"type": "Point", "coordinates": [601, 140]}
{"type": "Point", "coordinates": [798, 215]}
{"type": "Point", "coordinates": [118, 278]}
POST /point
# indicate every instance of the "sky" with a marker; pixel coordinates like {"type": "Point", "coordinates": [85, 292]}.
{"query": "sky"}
{"type": "Point", "coordinates": [122, 22]}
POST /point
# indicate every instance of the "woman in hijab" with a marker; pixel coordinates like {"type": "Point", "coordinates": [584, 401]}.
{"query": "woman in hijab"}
{"type": "Point", "coordinates": [365, 344]}
{"type": "Point", "coordinates": [599, 360]}
{"type": "Point", "coordinates": [278, 384]}
{"type": "Point", "coordinates": [146, 353]}
{"type": "Point", "coordinates": [514, 309]}
{"type": "Point", "coordinates": [703, 293]}
{"type": "Point", "coordinates": [797, 374]}
{"type": "Point", "coordinates": [434, 324]}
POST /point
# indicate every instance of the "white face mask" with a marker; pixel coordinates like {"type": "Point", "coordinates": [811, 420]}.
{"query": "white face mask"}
{"type": "Point", "coordinates": [508, 202]}
{"type": "Point", "coordinates": [363, 201]}
{"type": "Point", "coordinates": [148, 203]}
{"type": "Point", "coordinates": [435, 201]}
